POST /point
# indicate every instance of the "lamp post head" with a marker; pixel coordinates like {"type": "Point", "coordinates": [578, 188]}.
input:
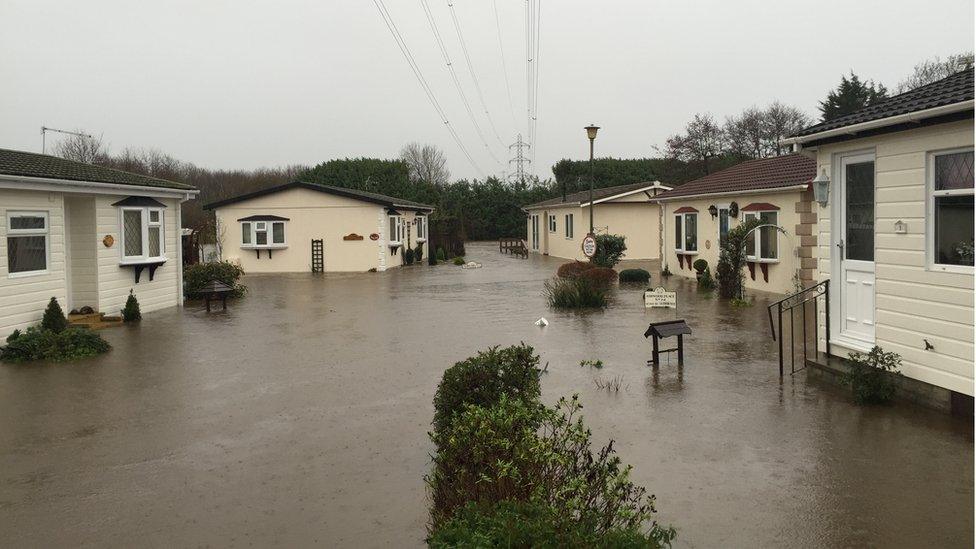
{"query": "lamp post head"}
{"type": "Point", "coordinates": [591, 131]}
{"type": "Point", "coordinates": [821, 187]}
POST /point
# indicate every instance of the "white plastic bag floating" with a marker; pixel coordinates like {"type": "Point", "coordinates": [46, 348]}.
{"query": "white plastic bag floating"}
{"type": "Point", "coordinates": [471, 265]}
{"type": "Point", "coordinates": [542, 322]}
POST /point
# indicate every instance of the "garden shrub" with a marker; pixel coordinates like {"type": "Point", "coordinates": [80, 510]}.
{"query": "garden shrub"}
{"type": "Point", "coordinates": [700, 265]}
{"type": "Point", "coordinates": [575, 293]}
{"type": "Point", "coordinates": [131, 313]}
{"type": "Point", "coordinates": [418, 253]}
{"type": "Point", "coordinates": [54, 319]}
{"type": "Point", "coordinates": [573, 269]}
{"type": "Point", "coordinates": [634, 275]}
{"type": "Point", "coordinates": [482, 379]}
{"type": "Point", "coordinates": [459, 261]}
{"type": "Point", "coordinates": [872, 376]}
{"type": "Point", "coordinates": [408, 256]}
{"type": "Point", "coordinates": [195, 277]}
{"type": "Point", "coordinates": [610, 249]}
{"type": "Point", "coordinates": [440, 254]}
{"type": "Point", "coordinates": [705, 280]}
{"type": "Point", "coordinates": [600, 275]}
{"type": "Point", "coordinates": [517, 451]}
{"type": "Point", "coordinates": [731, 258]}
{"type": "Point", "coordinates": [36, 343]}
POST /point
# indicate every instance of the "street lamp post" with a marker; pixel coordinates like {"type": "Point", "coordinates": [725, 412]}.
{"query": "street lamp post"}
{"type": "Point", "coordinates": [591, 134]}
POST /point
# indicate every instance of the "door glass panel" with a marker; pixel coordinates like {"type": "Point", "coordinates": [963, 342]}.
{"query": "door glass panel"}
{"type": "Point", "coordinates": [859, 229]}
{"type": "Point", "coordinates": [723, 226]}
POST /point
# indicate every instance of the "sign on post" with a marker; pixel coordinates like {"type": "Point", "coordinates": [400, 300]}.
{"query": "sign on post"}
{"type": "Point", "coordinates": [589, 245]}
{"type": "Point", "coordinates": [660, 298]}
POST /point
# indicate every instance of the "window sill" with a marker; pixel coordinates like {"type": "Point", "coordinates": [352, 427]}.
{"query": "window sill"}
{"type": "Point", "coordinates": [394, 244]}
{"type": "Point", "coordinates": [421, 240]}
{"type": "Point", "coordinates": [140, 264]}
{"type": "Point", "coordinates": [761, 260]}
{"type": "Point", "coordinates": [955, 269]}
{"type": "Point", "coordinates": [682, 252]}
{"type": "Point", "coordinates": [28, 274]}
{"type": "Point", "coordinates": [264, 247]}
{"type": "Point", "coordinates": [146, 261]}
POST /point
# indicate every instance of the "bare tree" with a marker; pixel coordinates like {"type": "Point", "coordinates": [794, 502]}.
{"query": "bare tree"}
{"type": "Point", "coordinates": [701, 141]}
{"type": "Point", "coordinates": [930, 70]}
{"type": "Point", "coordinates": [81, 148]}
{"type": "Point", "coordinates": [746, 134]}
{"type": "Point", "coordinates": [426, 163]}
{"type": "Point", "coordinates": [782, 121]}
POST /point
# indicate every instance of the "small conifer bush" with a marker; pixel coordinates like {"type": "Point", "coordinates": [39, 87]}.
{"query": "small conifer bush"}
{"type": "Point", "coordinates": [131, 313]}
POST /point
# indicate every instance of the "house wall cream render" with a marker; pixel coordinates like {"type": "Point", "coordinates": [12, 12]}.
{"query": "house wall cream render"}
{"type": "Point", "coordinates": [23, 299]}
{"type": "Point", "coordinates": [794, 250]}
{"type": "Point", "coordinates": [636, 219]}
{"type": "Point", "coordinates": [315, 215]}
{"type": "Point", "coordinates": [912, 301]}
{"type": "Point", "coordinates": [81, 247]}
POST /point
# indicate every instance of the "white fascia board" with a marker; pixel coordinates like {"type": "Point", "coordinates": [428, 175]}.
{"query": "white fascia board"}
{"type": "Point", "coordinates": [91, 187]}
{"type": "Point", "coordinates": [790, 189]}
{"type": "Point", "coordinates": [655, 185]}
{"type": "Point", "coordinates": [853, 129]}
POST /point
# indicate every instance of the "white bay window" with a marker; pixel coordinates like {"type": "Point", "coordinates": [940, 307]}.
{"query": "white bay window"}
{"type": "Point", "coordinates": [143, 234]}
{"type": "Point", "coordinates": [263, 232]}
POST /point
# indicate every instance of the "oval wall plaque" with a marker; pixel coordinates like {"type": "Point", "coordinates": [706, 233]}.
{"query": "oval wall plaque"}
{"type": "Point", "coordinates": [374, 236]}
{"type": "Point", "coordinates": [108, 241]}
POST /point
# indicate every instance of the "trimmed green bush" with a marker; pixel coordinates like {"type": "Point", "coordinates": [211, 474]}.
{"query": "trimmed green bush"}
{"type": "Point", "coordinates": [54, 319]}
{"type": "Point", "coordinates": [575, 293]}
{"type": "Point", "coordinates": [634, 275]}
{"type": "Point", "coordinates": [440, 254]}
{"type": "Point", "coordinates": [459, 261]}
{"type": "Point", "coordinates": [573, 269]}
{"type": "Point", "coordinates": [600, 275]}
{"type": "Point", "coordinates": [482, 379]}
{"type": "Point", "coordinates": [36, 343]}
{"type": "Point", "coordinates": [700, 265]}
{"type": "Point", "coordinates": [610, 249]}
{"type": "Point", "coordinates": [418, 253]}
{"type": "Point", "coordinates": [705, 280]}
{"type": "Point", "coordinates": [529, 524]}
{"type": "Point", "coordinates": [872, 376]}
{"type": "Point", "coordinates": [131, 312]}
{"type": "Point", "coordinates": [517, 451]}
{"type": "Point", "coordinates": [195, 277]}
{"type": "Point", "coordinates": [408, 256]}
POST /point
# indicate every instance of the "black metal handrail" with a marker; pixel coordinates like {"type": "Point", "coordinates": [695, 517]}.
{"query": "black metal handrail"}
{"type": "Point", "coordinates": [791, 302]}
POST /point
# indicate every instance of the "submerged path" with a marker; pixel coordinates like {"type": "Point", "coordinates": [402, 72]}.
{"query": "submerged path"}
{"type": "Point", "coordinates": [299, 417]}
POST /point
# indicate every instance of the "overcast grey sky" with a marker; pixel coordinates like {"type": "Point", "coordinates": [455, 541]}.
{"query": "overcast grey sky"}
{"type": "Point", "coordinates": [239, 84]}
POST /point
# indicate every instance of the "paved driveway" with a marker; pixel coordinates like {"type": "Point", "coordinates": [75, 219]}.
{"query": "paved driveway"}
{"type": "Point", "coordinates": [299, 417]}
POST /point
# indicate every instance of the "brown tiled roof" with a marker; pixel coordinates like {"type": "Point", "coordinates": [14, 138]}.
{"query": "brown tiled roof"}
{"type": "Point", "coordinates": [953, 89]}
{"type": "Point", "coordinates": [752, 175]}
{"type": "Point", "coordinates": [584, 196]}
{"type": "Point", "coordinates": [376, 198]}
{"type": "Point", "coordinates": [760, 207]}
{"type": "Point", "coordinates": [28, 164]}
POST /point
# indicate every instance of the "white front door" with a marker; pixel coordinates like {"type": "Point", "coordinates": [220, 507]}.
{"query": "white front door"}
{"type": "Point", "coordinates": [535, 232]}
{"type": "Point", "coordinates": [854, 248]}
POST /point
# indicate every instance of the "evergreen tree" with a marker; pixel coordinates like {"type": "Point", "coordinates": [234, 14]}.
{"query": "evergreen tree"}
{"type": "Point", "coordinates": [54, 319]}
{"type": "Point", "coordinates": [131, 311]}
{"type": "Point", "coordinates": [852, 94]}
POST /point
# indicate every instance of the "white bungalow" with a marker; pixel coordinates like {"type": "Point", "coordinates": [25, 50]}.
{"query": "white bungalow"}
{"type": "Point", "coordinates": [86, 235]}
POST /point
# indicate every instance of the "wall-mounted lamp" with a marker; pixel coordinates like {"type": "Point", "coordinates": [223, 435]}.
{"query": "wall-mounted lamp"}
{"type": "Point", "coordinates": [713, 210]}
{"type": "Point", "coordinates": [821, 188]}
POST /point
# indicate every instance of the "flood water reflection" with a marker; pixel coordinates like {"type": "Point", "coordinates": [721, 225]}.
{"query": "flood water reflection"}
{"type": "Point", "coordinates": [299, 417]}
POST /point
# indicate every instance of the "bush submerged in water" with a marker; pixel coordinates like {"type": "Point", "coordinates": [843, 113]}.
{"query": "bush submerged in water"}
{"type": "Point", "coordinates": [573, 269]}
{"type": "Point", "coordinates": [195, 277]}
{"type": "Point", "coordinates": [600, 275]}
{"type": "Point", "coordinates": [36, 343]}
{"type": "Point", "coordinates": [576, 293]}
{"type": "Point", "coordinates": [872, 376]}
{"type": "Point", "coordinates": [610, 250]}
{"type": "Point", "coordinates": [634, 275]}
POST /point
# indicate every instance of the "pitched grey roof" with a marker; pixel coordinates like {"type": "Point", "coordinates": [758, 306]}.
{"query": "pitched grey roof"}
{"type": "Point", "coordinates": [953, 89]}
{"type": "Point", "coordinates": [28, 164]}
{"type": "Point", "coordinates": [376, 198]}
{"type": "Point", "coordinates": [584, 196]}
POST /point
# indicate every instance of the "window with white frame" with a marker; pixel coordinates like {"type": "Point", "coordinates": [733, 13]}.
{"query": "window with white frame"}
{"type": "Point", "coordinates": [143, 234]}
{"type": "Point", "coordinates": [552, 223]}
{"type": "Point", "coordinates": [27, 242]}
{"type": "Point", "coordinates": [421, 228]}
{"type": "Point", "coordinates": [765, 246]}
{"type": "Point", "coordinates": [262, 234]}
{"type": "Point", "coordinates": [396, 230]}
{"type": "Point", "coordinates": [951, 209]}
{"type": "Point", "coordinates": [569, 225]}
{"type": "Point", "coordinates": [686, 232]}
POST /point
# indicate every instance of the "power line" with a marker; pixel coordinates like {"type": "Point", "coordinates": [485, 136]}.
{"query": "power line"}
{"type": "Point", "coordinates": [501, 49]}
{"type": "Point", "coordinates": [398, 38]}
{"type": "Point", "coordinates": [467, 58]}
{"type": "Point", "coordinates": [535, 92]}
{"type": "Point", "coordinates": [533, 16]}
{"type": "Point", "coordinates": [457, 83]}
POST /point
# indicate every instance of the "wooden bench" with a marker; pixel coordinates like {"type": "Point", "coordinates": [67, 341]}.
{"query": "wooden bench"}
{"type": "Point", "coordinates": [214, 290]}
{"type": "Point", "coordinates": [661, 330]}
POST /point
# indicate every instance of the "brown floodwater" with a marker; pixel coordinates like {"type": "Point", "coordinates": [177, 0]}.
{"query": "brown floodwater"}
{"type": "Point", "coordinates": [299, 417]}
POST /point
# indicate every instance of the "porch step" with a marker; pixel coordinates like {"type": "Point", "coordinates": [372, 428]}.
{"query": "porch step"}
{"type": "Point", "coordinates": [94, 321]}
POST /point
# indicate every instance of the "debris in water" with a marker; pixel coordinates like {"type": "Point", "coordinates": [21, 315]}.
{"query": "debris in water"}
{"type": "Point", "coordinates": [471, 265]}
{"type": "Point", "coordinates": [542, 322]}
